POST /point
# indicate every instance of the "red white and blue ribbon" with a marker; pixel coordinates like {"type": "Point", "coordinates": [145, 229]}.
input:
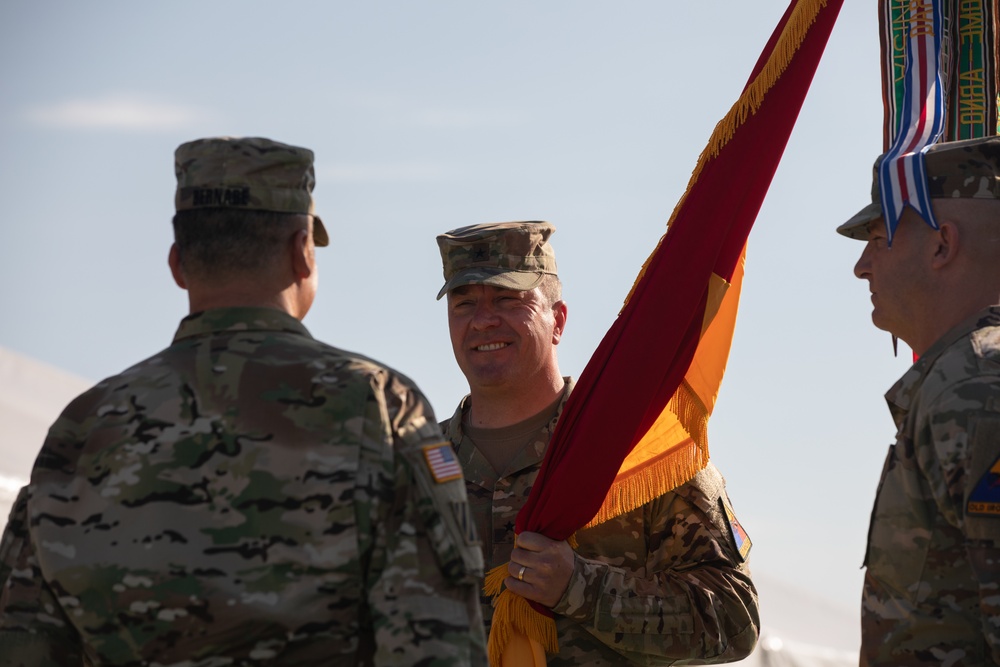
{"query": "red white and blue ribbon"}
{"type": "Point", "coordinates": [902, 174]}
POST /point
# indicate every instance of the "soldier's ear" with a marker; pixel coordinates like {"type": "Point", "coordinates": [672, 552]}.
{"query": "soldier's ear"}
{"type": "Point", "coordinates": [560, 312]}
{"type": "Point", "coordinates": [946, 242]}
{"type": "Point", "coordinates": [303, 254]}
{"type": "Point", "coordinates": [176, 267]}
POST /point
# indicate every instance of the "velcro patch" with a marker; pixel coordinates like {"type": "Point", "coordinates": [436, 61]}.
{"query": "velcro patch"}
{"type": "Point", "coordinates": [480, 252]}
{"type": "Point", "coordinates": [740, 538]}
{"type": "Point", "coordinates": [463, 517]}
{"type": "Point", "coordinates": [442, 463]}
{"type": "Point", "coordinates": [985, 498]}
{"type": "Point", "coordinates": [221, 196]}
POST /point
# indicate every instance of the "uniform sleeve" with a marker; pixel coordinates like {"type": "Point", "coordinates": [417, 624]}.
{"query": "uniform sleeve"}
{"type": "Point", "coordinates": [692, 598]}
{"type": "Point", "coordinates": [14, 533]}
{"type": "Point", "coordinates": [964, 478]}
{"type": "Point", "coordinates": [426, 564]}
{"type": "Point", "coordinates": [34, 631]}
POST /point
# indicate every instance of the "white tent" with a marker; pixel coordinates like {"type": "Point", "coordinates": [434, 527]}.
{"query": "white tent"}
{"type": "Point", "coordinates": [775, 652]}
{"type": "Point", "coordinates": [798, 629]}
{"type": "Point", "coordinates": [32, 395]}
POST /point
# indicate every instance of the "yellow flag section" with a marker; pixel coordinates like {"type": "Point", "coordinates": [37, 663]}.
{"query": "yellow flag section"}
{"type": "Point", "coordinates": [675, 448]}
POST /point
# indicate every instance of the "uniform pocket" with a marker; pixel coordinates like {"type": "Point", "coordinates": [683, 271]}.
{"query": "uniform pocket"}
{"type": "Point", "coordinates": [901, 527]}
{"type": "Point", "coordinates": [878, 492]}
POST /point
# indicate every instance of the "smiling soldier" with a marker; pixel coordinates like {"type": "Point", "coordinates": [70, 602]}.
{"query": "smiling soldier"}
{"type": "Point", "coordinates": [661, 583]}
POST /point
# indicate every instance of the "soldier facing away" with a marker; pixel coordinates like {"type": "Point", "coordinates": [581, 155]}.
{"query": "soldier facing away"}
{"type": "Point", "coordinates": [249, 495]}
{"type": "Point", "coordinates": [932, 585]}
{"type": "Point", "coordinates": [661, 583]}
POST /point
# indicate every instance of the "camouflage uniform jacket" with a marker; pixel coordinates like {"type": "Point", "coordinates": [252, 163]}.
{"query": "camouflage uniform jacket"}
{"type": "Point", "coordinates": [662, 583]}
{"type": "Point", "coordinates": [932, 585]}
{"type": "Point", "coordinates": [248, 496]}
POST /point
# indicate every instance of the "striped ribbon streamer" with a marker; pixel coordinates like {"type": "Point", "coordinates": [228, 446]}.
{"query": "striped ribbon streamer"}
{"type": "Point", "coordinates": [921, 118]}
{"type": "Point", "coordinates": [972, 95]}
{"type": "Point", "coordinates": [967, 82]}
{"type": "Point", "coordinates": [892, 34]}
{"type": "Point", "coordinates": [968, 66]}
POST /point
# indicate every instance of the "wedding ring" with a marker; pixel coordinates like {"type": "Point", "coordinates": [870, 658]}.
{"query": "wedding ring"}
{"type": "Point", "coordinates": [520, 575]}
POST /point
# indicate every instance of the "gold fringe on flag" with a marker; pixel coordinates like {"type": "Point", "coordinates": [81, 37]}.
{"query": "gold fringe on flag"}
{"type": "Point", "coordinates": [519, 633]}
{"type": "Point", "coordinates": [675, 447]}
{"type": "Point", "coordinates": [792, 36]}
{"type": "Point", "coordinates": [668, 470]}
{"type": "Point", "coordinates": [520, 636]}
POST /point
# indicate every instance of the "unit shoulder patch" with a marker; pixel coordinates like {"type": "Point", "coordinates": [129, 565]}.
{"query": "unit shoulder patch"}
{"type": "Point", "coordinates": [741, 541]}
{"type": "Point", "coordinates": [985, 497]}
{"type": "Point", "coordinates": [442, 462]}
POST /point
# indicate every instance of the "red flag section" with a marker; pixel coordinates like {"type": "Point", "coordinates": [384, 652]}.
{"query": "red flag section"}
{"type": "Point", "coordinates": [642, 359]}
{"type": "Point", "coordinates": [636, 378]}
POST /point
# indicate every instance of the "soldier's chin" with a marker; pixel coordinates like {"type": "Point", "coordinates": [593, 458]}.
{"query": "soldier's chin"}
{"type": "Point", "coordinates": [881, 324]}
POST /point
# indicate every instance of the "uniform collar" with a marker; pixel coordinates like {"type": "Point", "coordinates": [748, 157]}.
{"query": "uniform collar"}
{"type": "Point", "coordinates": [238, 319]}
{"type": "Point", "coordinates": [902, 394]}
{"type": "Point", "coordinates": [529, 456]}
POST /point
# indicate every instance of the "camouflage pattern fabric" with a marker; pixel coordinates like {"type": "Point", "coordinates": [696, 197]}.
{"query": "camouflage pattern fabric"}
{"type": "Point", "coordinates": [508, 255]}
{"type": "Point", "coordinates": [248, 173]}
{"type": "Point", "coordinates": [968, 169]}
{"type": "Point", "coordinates": [662, 583]}
{"type": "Point", "coordinates": [932, 586]}
{"type": "Point", "coordinates": [248, 496]}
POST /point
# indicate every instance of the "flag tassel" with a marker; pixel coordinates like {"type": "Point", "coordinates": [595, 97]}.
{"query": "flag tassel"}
{"type": "Point", "coordinates": [513, 616]}
{"type": "Point", "coordinates": [792, 36]}
{"type": "Point", "coordinates": [635, 491]}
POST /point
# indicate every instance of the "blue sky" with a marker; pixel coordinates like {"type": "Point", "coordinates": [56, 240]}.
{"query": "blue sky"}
{"type": "Point", "coordinates": [433, 115]}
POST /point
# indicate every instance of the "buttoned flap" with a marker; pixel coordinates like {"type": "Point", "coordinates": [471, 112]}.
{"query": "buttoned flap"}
{"type": "Point", "coordinates": [476, 469]}
{"type": "Point", "coordinates": [902, 525]}
{"type": "Point", "coordinates": [637, 616]}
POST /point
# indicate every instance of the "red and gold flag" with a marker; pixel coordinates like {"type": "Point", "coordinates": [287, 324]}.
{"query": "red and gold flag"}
{"type": "Point", "coordinates": [635, 425]}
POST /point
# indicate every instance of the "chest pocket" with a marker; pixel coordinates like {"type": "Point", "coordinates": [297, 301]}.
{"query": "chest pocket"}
{"type": "Point", "coordinates": [902, 524]}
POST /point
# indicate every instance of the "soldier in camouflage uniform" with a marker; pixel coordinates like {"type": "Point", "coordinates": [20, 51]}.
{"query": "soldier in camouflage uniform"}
{"type": "Point", "coordinates": [665, 582]}
{"type": "Point", "coordinates": [932, 585]}
{"type": "Point", "coordinates": [249, 495]}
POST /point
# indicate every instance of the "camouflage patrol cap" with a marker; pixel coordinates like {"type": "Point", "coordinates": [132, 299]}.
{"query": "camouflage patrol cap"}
{"type": "Point", "coordinates": [511, 255]}
{"type": "Point", "coordinates": [968, 169]}
{"type": "Point", "coordinates": [249, 173]}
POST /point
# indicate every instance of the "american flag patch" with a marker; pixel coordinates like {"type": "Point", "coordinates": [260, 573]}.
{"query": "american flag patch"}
{"type": "Point", "coordinates": [442, 462]}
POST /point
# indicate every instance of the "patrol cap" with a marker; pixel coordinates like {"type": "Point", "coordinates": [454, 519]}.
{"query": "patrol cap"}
{"type": "Point", "coordinates": [249, 173]}
{"type": "Point", "coordinates": [510, 255]}
{"type": "Point", "coordinates": [968, 169]}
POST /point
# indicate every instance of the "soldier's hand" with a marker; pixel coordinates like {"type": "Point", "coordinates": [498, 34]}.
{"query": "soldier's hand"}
{"type": "Point", "coordinates": [540, 568]}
